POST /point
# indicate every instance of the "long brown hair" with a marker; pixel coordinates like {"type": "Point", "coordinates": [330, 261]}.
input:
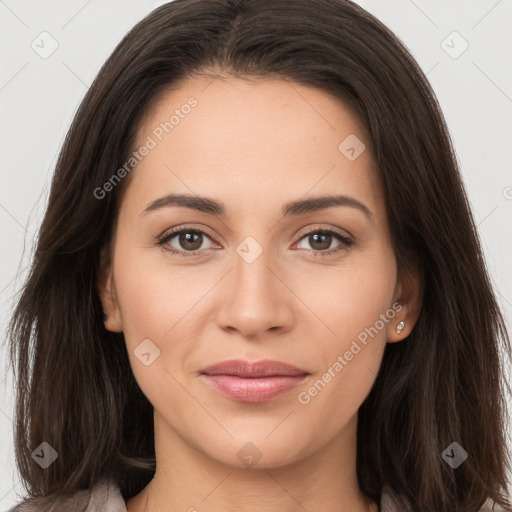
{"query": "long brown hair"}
{"type": "Point", "coordinates": [444, 384]}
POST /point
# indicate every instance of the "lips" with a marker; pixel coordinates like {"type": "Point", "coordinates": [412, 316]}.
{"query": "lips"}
{"type": "Point", "coordinates": [246, 369]}
{"type": "Point", "coordinates": [260, 381]}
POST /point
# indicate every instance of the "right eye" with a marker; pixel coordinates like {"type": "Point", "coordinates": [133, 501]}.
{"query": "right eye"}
{"type": "Point", "coordinates": [190, 239]}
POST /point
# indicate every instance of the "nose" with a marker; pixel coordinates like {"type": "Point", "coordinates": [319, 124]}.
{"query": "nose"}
{"type": "Point", "coordinates": [255, 298]}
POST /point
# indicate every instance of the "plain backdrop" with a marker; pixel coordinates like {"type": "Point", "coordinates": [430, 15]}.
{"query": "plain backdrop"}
{"type": "Point", "coordinates": [464, 47]}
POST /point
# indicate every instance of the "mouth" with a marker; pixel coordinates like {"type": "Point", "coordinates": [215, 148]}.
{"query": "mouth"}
{"type": "Point", "coordinates": [261, 381]}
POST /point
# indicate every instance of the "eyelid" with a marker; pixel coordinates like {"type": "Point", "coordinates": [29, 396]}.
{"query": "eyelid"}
{"type": "Point", "coordinates": [172, 232]}
{"type": "Point", "coordinates": [176, 229]}
{"type": "Point", "coordinates": [342, 233]}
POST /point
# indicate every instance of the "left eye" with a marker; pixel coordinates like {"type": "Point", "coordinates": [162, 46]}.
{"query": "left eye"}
{"type": "Point", "coordinates": [323, 239]}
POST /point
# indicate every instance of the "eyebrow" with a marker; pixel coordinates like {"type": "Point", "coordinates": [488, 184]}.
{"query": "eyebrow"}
{"type": "Point", "coordinates": [293, 208]}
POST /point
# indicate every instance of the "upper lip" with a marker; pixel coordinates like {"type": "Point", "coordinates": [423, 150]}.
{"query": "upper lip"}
{"type": "Point", "coordinates": [264, 368]}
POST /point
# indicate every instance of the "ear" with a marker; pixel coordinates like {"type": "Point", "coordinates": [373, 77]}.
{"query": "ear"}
{"type": "Point", "coordinates": [409, 294]}
{"type": "Point", "coordinates": [106, 291]}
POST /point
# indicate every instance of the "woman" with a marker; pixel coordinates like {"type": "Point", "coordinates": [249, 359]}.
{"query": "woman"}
{"type": "Point", "coordinates": [258, 284]}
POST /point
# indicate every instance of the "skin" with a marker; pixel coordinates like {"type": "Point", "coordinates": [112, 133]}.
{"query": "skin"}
{"type": "Point", "coordinates": [254, 146]}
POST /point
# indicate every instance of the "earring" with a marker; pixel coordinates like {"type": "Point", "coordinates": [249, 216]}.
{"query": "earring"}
{"type": "Point", "coordinates": [399, 327]}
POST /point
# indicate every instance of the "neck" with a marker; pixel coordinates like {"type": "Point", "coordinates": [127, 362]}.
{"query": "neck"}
{"type": "Point", "coordinates": [188, 479]}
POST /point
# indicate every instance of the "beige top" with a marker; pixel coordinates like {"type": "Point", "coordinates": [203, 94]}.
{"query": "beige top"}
{"type": "Point", "coordinates": [105, 496]}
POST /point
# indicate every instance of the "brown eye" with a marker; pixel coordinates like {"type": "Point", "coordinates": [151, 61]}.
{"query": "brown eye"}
{"type": "Point", "coordinates": [190, 240]}
{"type": "Point", "coordinates": [187, 241]}
{"type": "Point", "coordinates": [320, 241]}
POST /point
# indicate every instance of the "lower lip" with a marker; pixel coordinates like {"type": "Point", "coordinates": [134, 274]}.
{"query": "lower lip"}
{"type": "Point", "coordinates": [253, 390]}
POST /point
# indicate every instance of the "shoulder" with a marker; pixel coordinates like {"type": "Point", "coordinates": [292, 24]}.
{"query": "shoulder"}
{"type": "Point", "coordinates": [105, 496]}
{"type": "Point", "coordinates": [489, 508]}
{"type": "Point", "coordinates": [390, 502]}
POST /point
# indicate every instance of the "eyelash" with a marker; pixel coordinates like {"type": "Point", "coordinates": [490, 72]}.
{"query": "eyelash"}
{"type": "Point", "coordinates": [346, 242]}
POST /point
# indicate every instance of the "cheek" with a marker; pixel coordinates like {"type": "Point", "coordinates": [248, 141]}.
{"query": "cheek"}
{"type": "Point", "coordinates": [151, 309]}
{"type": "Point", "coordinates": [359, 312]}
{"type": "Point", "coordinates": [350, 298]}
{"type": "Point", "coordinates": [151, 294]}
{"type": "Point", "coordinates": [158, 303]}
{"type": "Point", "coordinates": [144, 301]}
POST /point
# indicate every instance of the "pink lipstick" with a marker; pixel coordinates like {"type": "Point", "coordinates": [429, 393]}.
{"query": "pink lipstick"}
{"type": "Point", "coordinates": [260, 381]}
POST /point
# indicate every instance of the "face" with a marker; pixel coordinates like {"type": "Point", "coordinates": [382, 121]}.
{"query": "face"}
{"type": "Point", "coordinates": [246, 279]}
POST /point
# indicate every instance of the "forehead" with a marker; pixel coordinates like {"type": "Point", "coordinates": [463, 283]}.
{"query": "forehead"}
{"type": "Point", "coordinates": [263, 141]}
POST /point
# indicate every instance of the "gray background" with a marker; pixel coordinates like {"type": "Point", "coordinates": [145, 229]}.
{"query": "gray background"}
{"type": "Point", "coordinates": [39, 96]}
